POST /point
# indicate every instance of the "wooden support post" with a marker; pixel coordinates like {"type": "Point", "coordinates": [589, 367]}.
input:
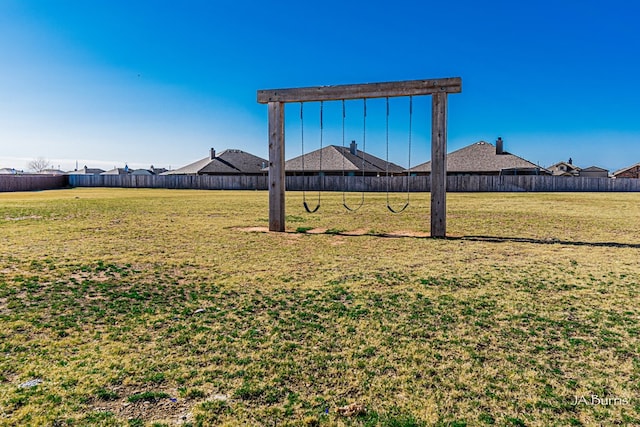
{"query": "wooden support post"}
{"type": "Point", "coordinates": [276, 167]}
{"type": "Point", "coordinates": [439, 165]}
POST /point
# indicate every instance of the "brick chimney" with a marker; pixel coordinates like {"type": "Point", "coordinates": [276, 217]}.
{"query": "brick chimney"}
{"type": "Point", "coordinates": [212, 153]}
{"type": "Point", "coordinates": [353, 148]}
{"type": "Point", "coordinates": [499, 146]}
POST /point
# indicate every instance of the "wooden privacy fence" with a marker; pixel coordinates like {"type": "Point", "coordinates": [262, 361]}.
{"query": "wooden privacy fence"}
{"type": "Point", "coordinates": [532, 183]}
{"type": "Point", "coordinates": [505, 183]}
{"type": "Point", "coordinates": [460, 184]}
{"type": "Point", "coordinates": [197, 182]}
{"type": "Point", "coordinates": [24, 182]}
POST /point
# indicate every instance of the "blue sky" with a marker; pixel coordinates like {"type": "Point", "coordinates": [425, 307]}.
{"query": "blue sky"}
{"type": "Point", "coordinates": [109, 82]}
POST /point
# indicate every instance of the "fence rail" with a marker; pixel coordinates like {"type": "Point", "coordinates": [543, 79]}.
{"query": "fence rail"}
{"type": "Point", "coordinates": [474, 183]}
{"type": "Point", "coordinates": [31, 182]}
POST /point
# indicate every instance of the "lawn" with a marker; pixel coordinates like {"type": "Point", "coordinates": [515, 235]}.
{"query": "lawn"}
{"type": "Point", "coordinates": [134, 307]}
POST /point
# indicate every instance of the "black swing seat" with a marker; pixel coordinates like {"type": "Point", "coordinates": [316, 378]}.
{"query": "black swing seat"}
{"type": "Point", "coordinates": [308, 209]}
{"type": "Point", "coordinates": [406, 205]}
{"type": "Point", "coordinates": [350, 209]}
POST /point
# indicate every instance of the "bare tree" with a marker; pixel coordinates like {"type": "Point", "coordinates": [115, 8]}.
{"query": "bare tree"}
{"type": "Point", "coordinates": [39, 164]}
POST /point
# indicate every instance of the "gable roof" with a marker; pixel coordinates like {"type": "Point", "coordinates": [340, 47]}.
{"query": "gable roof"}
{"type": "Point", "coordinates": [51, 172]}
{"type": "Point", "coordinates": [151, 171]}
{"type": "Point", "coordinates": [86, 171]}
{"type": "Point", "coordinates": [141, 172]}
{"type": "Point", "coordinates": [333, 158]}
{"type": "Point", "coordinates": [191, 168]}
{"type": "Point", "coordinates": [564, 169]}
{"type": "Point", "coordinates": [117, 171]}
{"type": "Point", "coordinates": [619, 171]}
{"type": "Point", "coordinates": [235, 161]}
{"type": "Point", "coordinates": [567, 165]}
{"type": "Point", "coordinates": [229, 162]}
{"type": "Point", "coordinates": [594, 169]}
{"type": "Point", "coordinates": [480, 157]}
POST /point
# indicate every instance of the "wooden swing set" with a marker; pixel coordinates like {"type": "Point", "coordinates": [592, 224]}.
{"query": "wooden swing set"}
{"type": "Point", "coordinates": [437, 88]}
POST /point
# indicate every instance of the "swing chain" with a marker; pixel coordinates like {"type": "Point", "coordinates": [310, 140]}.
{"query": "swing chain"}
{"type": "Point", "coordinates": [304, 195]}
{"type": "Point", "coordinates": [406, 205]}
{"type": "Point", "coordinates": [344, 187]}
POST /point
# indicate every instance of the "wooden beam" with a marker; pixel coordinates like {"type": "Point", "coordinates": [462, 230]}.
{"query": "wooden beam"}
{"type": "Point", "coordinates": [276, 167]}
{"type": "Point", "coordinates": [359, 91]}
{"type": "Point", "coordinates": [439, 165]}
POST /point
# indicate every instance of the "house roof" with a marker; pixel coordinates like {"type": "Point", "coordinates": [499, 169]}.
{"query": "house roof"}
{"type": "Point", "coordinates": [334, 158]}
{"type": "Point", "coordinates": [51, 172]}
{"type": "Point", "coordinates": [158, 171]}
{"type": "Point", "coordinates": [228, 162]}
{"type": "Point", "coordinates": [117, 171]}
{"type": "Point", "coordinates": [191, 168]}
{"type": "Point", "coordinates": [619, 171]}
{"type": "Point", "coordinates": [566, 164]}
{"type": "Point", "coordinates": [564, 169]}
{"type": "Point", "coordinates": [594, 169]}
{"type": "Point", "coordinates": [479, 157]}
{"type": "Point", "coordinates": [141, 172]}
{"type": "Point", "coordinates": [86, 171]}
{"type": "Point", "coordinates": [235, 161]}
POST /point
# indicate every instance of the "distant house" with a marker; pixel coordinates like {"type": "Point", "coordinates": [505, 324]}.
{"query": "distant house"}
{"type": "Point", "coordinates": [8, 171]}
{"type": "Point", "coordinates": [571, 170]}
{"type": "Point", "coordinates": [146, 172]}
{"type": "Point", "coordinates": [594, 172]}
{"type": "Point", "coordinates": [86, 171]}
{"type": "Point", "coordinates": [151, 171]}
{"type": "Point", "coordinates": [632, 171]}
{"type": "Point", "coordinates": [51, 172]}
{"type": "Point", "coordinates": [336, 160]}
{"type": "Point", "coordinates": [118, 171]}
{"type": "Point", "coordinates": [229, 162]}
{"type": "Point", "coordinates": [483, 158]}
{"type": "Point", "coordinates": [564, 169]}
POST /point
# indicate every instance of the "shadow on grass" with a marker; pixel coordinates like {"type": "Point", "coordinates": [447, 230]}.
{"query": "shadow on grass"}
{"type": "Point", "coordinates": [496, 239]}
{"type": "Point", "coordinates": [493, 239]}
{"type": "Point", "coordinates": [425, 235]}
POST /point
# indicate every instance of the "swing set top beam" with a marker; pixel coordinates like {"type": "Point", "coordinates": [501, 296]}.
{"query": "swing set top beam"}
{"type": "Point", "coordinates": [359, 91]}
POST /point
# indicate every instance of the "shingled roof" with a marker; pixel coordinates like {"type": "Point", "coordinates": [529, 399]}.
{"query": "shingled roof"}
{"type": "Point", "coordinates": [338, 159]}
{"type": "Point", "coordinates": [481, 158]}
{"type": "Point", "coordinates": [632, 171]}
{"type": "Point", "coordinates": [86, 171]}
{"type": "Point", "coordinates": [564, 169]}
{"type": "Point", "coordinates": [229, 162]}
{"type": "Point", "coordinates": [117, 171]}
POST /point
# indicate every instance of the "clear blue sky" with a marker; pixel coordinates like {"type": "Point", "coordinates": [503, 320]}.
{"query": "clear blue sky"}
{"type": "Point", "coordinates": [145, 82]}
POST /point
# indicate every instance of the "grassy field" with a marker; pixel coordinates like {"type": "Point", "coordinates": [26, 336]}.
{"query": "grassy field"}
{"type": "Point", "coordinates": [163, 307]}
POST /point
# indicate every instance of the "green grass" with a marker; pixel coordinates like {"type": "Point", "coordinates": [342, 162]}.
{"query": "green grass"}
{"type": "Point", "coordinates": [160, 307]}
